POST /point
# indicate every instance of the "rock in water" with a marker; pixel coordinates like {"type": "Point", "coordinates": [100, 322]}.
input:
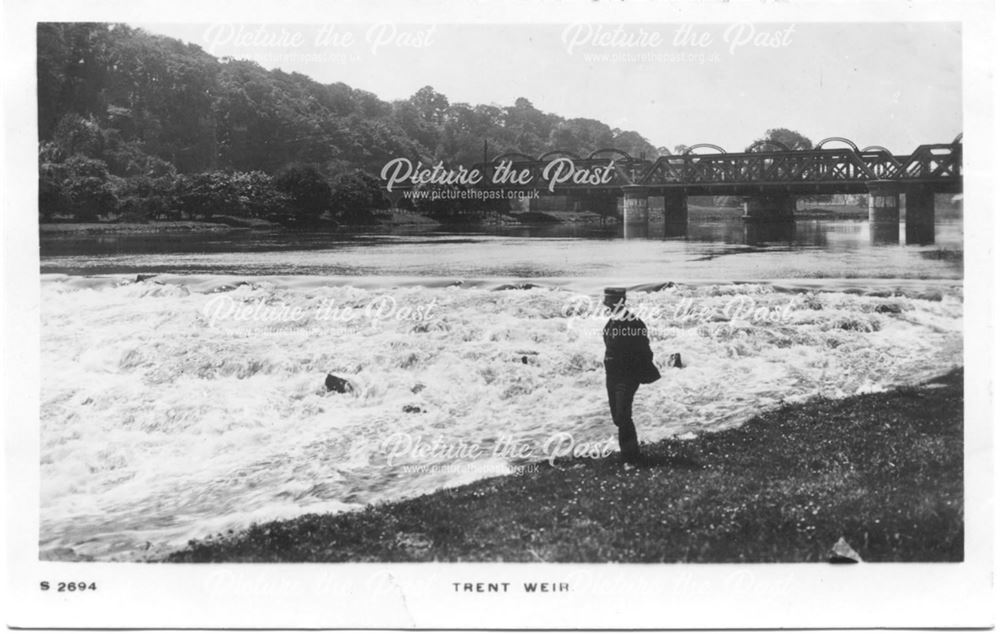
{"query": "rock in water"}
{"type": "Point", "coordinates": [842, 553]}
{"type": "Point", "coordinates": [412, 409]}
{"type": "Point", "coordinates": [674, 360]}
{"type": "Point", "coordinates": [888, 308]}
{"type": "Point", "coordinates": [337, 384]}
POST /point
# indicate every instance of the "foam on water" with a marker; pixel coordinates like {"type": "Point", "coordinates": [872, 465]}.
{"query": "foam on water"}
{"type": "Point", "coordinates": [160, 425]}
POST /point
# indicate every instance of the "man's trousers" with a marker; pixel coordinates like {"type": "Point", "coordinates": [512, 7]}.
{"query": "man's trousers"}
{"type": "Point", "coordinates": [621, 393]}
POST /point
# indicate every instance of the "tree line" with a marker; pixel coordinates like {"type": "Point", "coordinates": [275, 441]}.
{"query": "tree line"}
{"type": "Point", "coordinates": [147, 127]}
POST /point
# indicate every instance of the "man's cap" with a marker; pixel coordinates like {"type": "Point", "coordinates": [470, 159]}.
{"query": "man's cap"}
{"type": "Point", "coordinates": [614, 292]}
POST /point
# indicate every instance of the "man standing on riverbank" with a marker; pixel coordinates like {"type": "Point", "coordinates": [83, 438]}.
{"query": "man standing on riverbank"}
{"type": "Point", "coordinates": [628, 362]}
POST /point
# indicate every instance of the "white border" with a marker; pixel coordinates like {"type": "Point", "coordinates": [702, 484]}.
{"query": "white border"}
{"type": "Point", "coordinates": [419, 595]}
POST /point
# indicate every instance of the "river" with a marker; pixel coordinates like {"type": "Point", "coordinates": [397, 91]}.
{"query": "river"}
{"type": "Point", "coordinates": [193, 402]}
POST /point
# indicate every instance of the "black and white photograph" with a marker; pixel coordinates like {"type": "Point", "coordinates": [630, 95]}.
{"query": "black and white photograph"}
{"type": "Point", "coordinates": [579, 314]}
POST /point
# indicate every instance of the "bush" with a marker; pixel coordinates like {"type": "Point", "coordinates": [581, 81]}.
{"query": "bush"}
{"type": "Point", "coordinates": [354, 195]}
{"type": "Point", "coordinates": [85, 188]}
{"type": "Point", "coordinates": [206, 194]}
{"type": "Point", "coordinates": [145, 198]}
{"type": "Point", "coordinates": [257, 195]}
{"type": "Point", "coordinates": [52, 198]}
{"type": "Point", "coordinates": [308, 192]}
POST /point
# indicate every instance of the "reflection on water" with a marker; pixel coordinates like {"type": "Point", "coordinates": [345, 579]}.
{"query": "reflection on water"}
{"type": "Point", "coordinates": [884, 233]}
{"type": "Point", "coordinates": [812, 233]}
{"type": "Point", "coordinates": [802, 233]}
{"type": "Point", "coordinates": [760, 233]}
{"type": "Point", "coordinates": [782, 231]}
{"type": "Point", "coordinates": [717, 249]}
{"type": "Point", "coordinates": [917, 233]}
{"type": "Point", "coordinates": [635, 231]}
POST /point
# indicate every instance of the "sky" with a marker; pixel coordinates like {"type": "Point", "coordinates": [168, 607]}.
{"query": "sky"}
{"type": "Point", "coordinates": [897, 85]}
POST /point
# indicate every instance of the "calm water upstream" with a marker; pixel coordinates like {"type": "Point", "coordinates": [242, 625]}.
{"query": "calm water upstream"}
{"type": "Point", "coordinates": [721, 250]}
{"type": "Point", "coordinates": [163, 418]}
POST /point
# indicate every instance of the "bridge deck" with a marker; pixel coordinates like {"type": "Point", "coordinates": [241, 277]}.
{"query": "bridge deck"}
{"type": "Point", "coordinates": [938, 167]}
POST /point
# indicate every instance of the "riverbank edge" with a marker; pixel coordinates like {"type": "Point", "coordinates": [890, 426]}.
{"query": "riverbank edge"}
{"type": "Point", "coordinates": [390, 220]}
{"type": "Point", "coordinates": [884, 471]}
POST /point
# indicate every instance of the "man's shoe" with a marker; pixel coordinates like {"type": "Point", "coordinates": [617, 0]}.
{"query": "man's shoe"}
{"type": "Point", "coordinates": [630, 452]}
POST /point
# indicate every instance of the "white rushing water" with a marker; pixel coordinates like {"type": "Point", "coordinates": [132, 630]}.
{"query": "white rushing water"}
{"type": "Point", "coordinates": [165, 419]}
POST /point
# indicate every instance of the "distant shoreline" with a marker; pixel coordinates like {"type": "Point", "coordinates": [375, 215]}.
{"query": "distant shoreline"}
{"type": "Point", "coordinates": [72, 229]}
{"type": "Point", "coordinates": [388, 220]}
{"type": "Point", "coordinates": [97, 228]}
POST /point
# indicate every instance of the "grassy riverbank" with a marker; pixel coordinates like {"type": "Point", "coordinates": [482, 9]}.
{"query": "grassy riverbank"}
{"type": "Point", "coordinates": [221, 224]}
{"type": "Point", "coordinates": [91, 228]}
{"type": "Point", "coordinates": [884, 471]}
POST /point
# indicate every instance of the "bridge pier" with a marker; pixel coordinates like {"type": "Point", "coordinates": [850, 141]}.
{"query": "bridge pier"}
{"type": "Point", "coordinates": [769, 207]}
{"type": "Point", "coordinates": [635, 208]}
{"type": "Point", "coordinates": [883, 211]}
{"type": "Point", "coordinates": [884, 234]}
{"type": "Point", "coordinates": [675, 213]}
{"type": "Point", "coordinates": [919, 215]}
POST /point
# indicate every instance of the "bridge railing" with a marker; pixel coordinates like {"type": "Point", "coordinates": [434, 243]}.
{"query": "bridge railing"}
{"type": "Point", "coordinates": [928, 162]}
{"type": "Point", "coordinates": [626, 171]}
{"type": "Point", "coordinates": [940, 163]}
{"type": "Point", "coordinates": [753, 167]}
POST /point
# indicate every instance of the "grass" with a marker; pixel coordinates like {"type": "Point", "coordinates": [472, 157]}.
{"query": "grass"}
{"type": "Point", "coordinates": [155, 226]}
{"type": "Point", "coordinates": [884, 471]}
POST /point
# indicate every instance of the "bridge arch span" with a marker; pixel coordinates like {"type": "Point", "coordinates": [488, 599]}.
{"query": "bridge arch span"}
{"type": "Point", "coordinates": [819, 146]}
{"type": "Point", "coordinates": [877, 148]}
{"type": "Point", "coordinates": [762, 142]}
{"type": "Point", "coordinates": [556, 153]}
{"type": "Point", "coordinates": [958, 139]}
{"type": "Point", "coordinates": [610, 150]}
{"type": "Point", "coordinates": [884, 152]}
{"type": "Point", "coordinates": [512, 155]}
{"type": "Point", "coordinates": [697, 146]}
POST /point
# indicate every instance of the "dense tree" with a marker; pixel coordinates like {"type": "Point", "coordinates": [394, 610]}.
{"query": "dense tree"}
{"type": "Point", "coordinates": [431, 105]}
{"type": "Point", "coordinates": [52, 197]}
{"type": "Point", "coordinates": [580, 136]}
{"type": "Point", "coordinates": [633, 143]}
{"type": "Point", "coordinates": [308, 192]}
{"type": "Point", "coordinates": [88, 187]}
{"type": "Point", "coordinates": [789, 138]}
{"type": "Point", "coordinates": [353, 194]}
{"type": "Point", "coordinates": [143, 198]}
{"type": "Point", "coordinates": [161, 128]}
{"type": "Point", "coordinates": [206, 194]}
{"type": "Point", "coordinates": [258, 196]}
